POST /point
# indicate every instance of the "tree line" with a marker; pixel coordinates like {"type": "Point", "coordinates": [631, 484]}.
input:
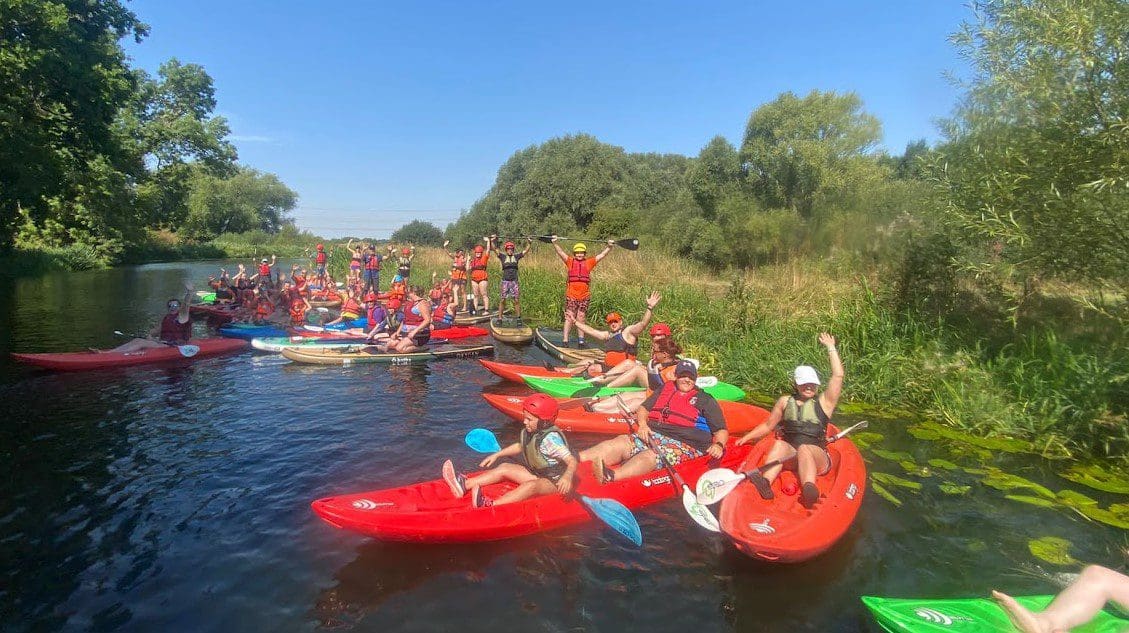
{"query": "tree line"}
{"type": "Point", "coordinates": [94, 154]}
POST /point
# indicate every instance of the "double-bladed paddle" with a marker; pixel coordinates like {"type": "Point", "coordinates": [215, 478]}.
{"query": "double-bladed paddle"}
{"type": "Point", "coordinates": [714, 485]}
{"type": "Point", "coordinates": [613, 513]}
{"type": "Point", "coordinates": [630, 243]}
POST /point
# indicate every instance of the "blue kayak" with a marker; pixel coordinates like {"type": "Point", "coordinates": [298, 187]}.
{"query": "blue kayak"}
{"type": "Point", "coordinates": [249, 331]}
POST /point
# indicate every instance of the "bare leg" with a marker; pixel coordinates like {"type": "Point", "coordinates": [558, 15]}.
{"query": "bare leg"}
{"type": "Point", "coordinates": [631, 400]}
{"type": "Point", "coordinates": [580, 314]}
{"type": "Point", "coordinates": [517, 308]}
{"type": "Point", "coordinates": [527, 490]}
{"type": "Point", "coordinates": [569, 315]}
{"type": "Point", "coordinates": [136, 345]}
{"type": "Point", "coordinates": [613, 451]}
{"type": "Point", "coordinates": [626, 374]}
{"type": "Point", "coordinates": [1075, 606]}
{"type": "Point", "coordinates": [810, 461]}
{"type": "Point", "coordinates": [780, 450]}
{"type": "Point", "coordinates": [642, 463]}
{"type": "Point", "coordinates": [502, 472]}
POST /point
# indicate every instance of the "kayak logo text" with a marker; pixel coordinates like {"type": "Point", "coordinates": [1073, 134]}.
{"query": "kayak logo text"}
{"type": "Point", "coordinates": [936, 617]}
{"type": "Point", "coordinates": [665, 479]}
{"type": "Point", "coordinates": [852, 490]}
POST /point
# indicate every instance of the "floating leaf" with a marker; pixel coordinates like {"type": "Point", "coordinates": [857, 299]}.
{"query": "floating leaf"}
{"type": "Point", "coordinates": [894, 456]}
{"type": "Point", "coordinates": [885, 494]}
{"type": "Point", "coordinates": [1052, 549]}
{"type": "Point", "coordinates": [866, 438]}
{"type": "Point", "coordinates": [1105, 516]}
{"type": "Point", "coordinates": [975, 471]}
{"type": "Point", "coordinates": [1000, 480]}
{"type": "Point", "coordinates": [1073, 499]}
{"type": "Point", "coordinates": [954, 489]}
{"type": "Point", "coordinates": [927, 435]}
{"type": "Point", "coordinates": [894, 480]}
{"type": "Point", "coordinates": [1035, 501]}
{"type": "Point", "coordinates": [934, 430]}
{"type": "Point", "coordinates": [943, 463]}
{"type": "Point", "coordinates": [1098, 477]}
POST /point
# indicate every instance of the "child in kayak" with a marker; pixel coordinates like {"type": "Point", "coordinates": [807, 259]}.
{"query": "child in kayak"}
{"type": "Point", "coordinates": [805, 414]}
{"type": "Point", "coordinates": [547, 464]}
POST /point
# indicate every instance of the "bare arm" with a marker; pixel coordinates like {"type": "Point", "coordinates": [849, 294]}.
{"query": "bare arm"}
{"type": "Point", "coordinates": [607, 249]}
{"type": "Point", "coordinates": [830, 397]}
{"type": "Point", "coordinates": [591, 331]}
{"type": "Point", "coordinates": [636, 328]}
{"type": "Point", "coordinates": [560, 251]}
{"type": "Point", "coordinates": [768, 426]}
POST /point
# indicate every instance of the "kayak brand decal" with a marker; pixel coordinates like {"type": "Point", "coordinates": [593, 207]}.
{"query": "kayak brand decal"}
{"type": "Point", "coordinates": [763, 527]}
{"type": "Point", "coordinates": [513, 400]}
{"type": "Point", "coordinates": [852, 490]}
{"type": "Point", "coordinates": [934, 616]}
{"type": "Point", "coordinates": [657, 481]}
{"type": "Point", "coordinates": [367, 504]}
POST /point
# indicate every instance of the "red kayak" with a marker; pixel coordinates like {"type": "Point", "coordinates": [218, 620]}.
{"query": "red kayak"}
{"type": "Point", "coordinates": [513, 373]}
{"type": "Point", "coordinates": [781, 529]}
{"type": "Point", "coordinates": [82, 361]}
{"type": "Point", "coordinates": [739, 417]}
{"type": "Point", "coordinates": [428, 513]}
{"type": "Point", "coordinates": [214, 312]}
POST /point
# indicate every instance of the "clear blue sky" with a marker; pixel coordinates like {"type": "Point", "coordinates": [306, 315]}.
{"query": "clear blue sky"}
{"type": "Point", "coordinates": [377, 114]}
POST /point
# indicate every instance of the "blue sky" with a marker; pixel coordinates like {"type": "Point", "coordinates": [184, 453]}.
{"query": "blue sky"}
{"type": "Point", "coordinates": [377, 114]}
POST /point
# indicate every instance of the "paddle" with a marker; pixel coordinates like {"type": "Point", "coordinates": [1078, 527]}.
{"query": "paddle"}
{"type": "Point", "coordinates": [613, 513]}
{"type": "Point", "coordinates": [630, 243]}
{"type": "Point", "coordinates": [187, 351]}
{"type": "Point", "coordinates": [700, 513]}
{"type": "Point", "coordinates": [715, 484]}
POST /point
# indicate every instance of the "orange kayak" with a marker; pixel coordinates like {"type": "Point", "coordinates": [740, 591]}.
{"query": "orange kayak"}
{"type": "Point", "coordinates": [739, 417]}
{"type": "Point", "coordinates": [781, 529]}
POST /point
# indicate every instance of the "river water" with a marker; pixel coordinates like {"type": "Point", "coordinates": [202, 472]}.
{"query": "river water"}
{"type": "Point", "coordinates": [177, 498]}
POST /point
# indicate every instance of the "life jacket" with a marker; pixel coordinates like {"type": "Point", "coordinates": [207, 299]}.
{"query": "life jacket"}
{"type": "Point", "coordinates": [412, 316]}
{"type": "Point", "coordinates": [320, 257]}
{"type": "Point", "coordinates": [173, 331]}
{"type": "Point", "coordinates": [578, 271]}
{"type": "Point", "coordinates": [534, 460]}
{"type": "Point", "coordinates": [479, 263]}
{"type": "Point", "coordinates": [509, 262]}
{"type": "Point", "coordinates": [264, 270]}
{"type": "Point", "coordinates": [659, 375]}
{"type": "Point", "coordinates": [264, 308]}
{"type": "Point", "coordinates": [297, 312]}
{"type": "Point", "coordinates": [372, 262]}
{"type": "Point", "coordinates": [351, 306]}
{"type": "Point", "coordinates": [676, 408]}
{"type": "Point", "coordinates": [404, 266]}
{"type": "Point", "coordinates": [805, 422]}
{"type": "Point", "coordinates": [441, 311]}
{"type": "Point", "coordinates": [618, 350]}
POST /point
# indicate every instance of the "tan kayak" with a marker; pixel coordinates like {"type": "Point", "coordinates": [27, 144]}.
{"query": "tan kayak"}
{"type": "Point", "coordinates": [550, 341]}
{"type": "Point", "coordinates": [370, 354]}
{"type": "Point", "coordinates": [508, 330]}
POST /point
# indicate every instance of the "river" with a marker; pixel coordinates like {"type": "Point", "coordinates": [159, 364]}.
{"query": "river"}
{"type": "Point", "coordinates": [177, 498]}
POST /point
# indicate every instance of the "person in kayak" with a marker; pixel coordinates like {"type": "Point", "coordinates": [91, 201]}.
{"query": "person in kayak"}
{"type": "Point", "coordinates": [805, 414]}
{"type": "Point", "coordinates": [175, 327]}
{"type": "Point", "coordinates": [1074, 606]}
{"type": "Point", "coordinates": [679, 419]}
{"type": "Point", "coordinates": [403, 262]}
{"type": "Point", "coordinates": [577, 292]}
{"type": "Point", "coordinates": [658, 371]}
{"type": "Point", "coordinates": [371, 261]}
{"type": "Point", "coordinates": [620, 343]}
{"type": "Point", "coordinates": [415, 329]}
{"type": "Point", "coordinates": [458, 277]}
{"type": "Point", "coordinates": [479, 280]}
{"type": "Point", "coordinates": [510, 289]}
{"type": "Point", "coordinates": [350, 308]}
{"type": "Point", "coordinates": [547, 464]}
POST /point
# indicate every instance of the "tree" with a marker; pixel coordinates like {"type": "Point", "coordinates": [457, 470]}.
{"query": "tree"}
{"type": "Point", "coordinates": [246, 201]}
{"type": "Point", "coordinates": [63, 80]}
{"type": "Point", "coordinates": [1035, 170]}
{"type": "Point", "coordinates": [715, 174]}
{"type": "Point", "coordinates": [797, 149]}
{"type": "Point", "coordinates": [418, 232]}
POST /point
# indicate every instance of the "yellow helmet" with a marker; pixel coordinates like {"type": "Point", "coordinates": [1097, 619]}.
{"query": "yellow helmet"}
{"type": "Point", "coordinates": [580, 248]}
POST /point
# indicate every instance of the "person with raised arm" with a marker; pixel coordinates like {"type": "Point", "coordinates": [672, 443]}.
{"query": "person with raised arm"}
{"type": "Point", "coordinates": [620, 343]}
{"type": "Point", "coordinates": [175, 327]}
{"type": "Point", "coordinates": [510, 290]}
{"type": "Point", "coordinates": [479, 279]}
{"type": "Point", "coordinates": [577, 291]}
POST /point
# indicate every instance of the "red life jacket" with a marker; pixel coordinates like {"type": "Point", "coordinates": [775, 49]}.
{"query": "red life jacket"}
{"type": "Point", "coordinates": [320, 258]}
{"type": "Point", "coordinates": [264, 308]}
{"type": "Point", "coordinates": [674, 407]}
{"type": "Point", "coordinates": [479, 263]}
{"type": "Point", "coordinates": [264, 270]}
{"type": "Point", "coordinates": [372, 263]}
{"type": "Point", "coordinates": [578, 271]}
{"type": "Point", "coordinates": [173, 331]}
{"type": "Point", "coordinates": [411, 318]}
{"type": "Point", "coordinates": [351, 306]}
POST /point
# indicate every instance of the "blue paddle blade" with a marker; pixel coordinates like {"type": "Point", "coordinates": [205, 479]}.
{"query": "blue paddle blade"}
{"type": "Point", "coordinates": [617, 516]}
{"type": "Point", "coordinates": [482, 441]}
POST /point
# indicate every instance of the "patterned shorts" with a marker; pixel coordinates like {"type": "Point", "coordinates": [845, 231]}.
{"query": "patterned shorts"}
{"type": "Point", "coordinates": [576, 306]}
{"type": "Point", "coordinates": [674, 450]}
{"type": "Point", "coordinates": [510, 290]}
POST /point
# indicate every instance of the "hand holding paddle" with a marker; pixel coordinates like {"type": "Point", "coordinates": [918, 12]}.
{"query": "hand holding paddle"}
{"type": "Point", "coordinates": [714, 485]}
{"type": "Point", "coordinates": [630, 243]}
{"type": "Point", "coordinates": [611, 512]}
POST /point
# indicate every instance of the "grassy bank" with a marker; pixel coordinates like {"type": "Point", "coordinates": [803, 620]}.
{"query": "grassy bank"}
{"type": "Point", "coordinates": [1065, 395]}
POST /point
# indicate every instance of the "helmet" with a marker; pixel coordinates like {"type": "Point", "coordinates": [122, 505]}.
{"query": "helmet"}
{"type": "Point", "coordinates": [508, 245]}
{"type": "Point", "coordinates": [370, 297]}
{"type": "Point", "coordinates": [580, 248]}
{"type": "Point", "coordinates": [542, 406]}
{"type": "Point", "coordinates": [263, 260]}
{"type": "Point", "coordinates": [478, 249]}
{"type": "Point", "coordinates": [660, 329]}
{"type": "Point", "coordinates": [321, 247]}
{"type": "Point", "coordinates": [405, 251]}
{"type": "Point", "coordinates": [613, 317]}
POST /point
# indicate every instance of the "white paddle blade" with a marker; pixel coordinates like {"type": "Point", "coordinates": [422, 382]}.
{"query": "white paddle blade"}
{"type": "Point", "coordinates": [323, 310]}
{"type": "Point", "coordinates": [695, 361]}
{"type": "Point", "coordinates": [846, 431]}
{"type": "Point", "coordinates": [714, 484]}
{"type": "Point", "coordinates": [700, 513]}
{"type": "Point", "coordinates": [188, 351]}
{"type": "Point", "coordinates": [705, 382]}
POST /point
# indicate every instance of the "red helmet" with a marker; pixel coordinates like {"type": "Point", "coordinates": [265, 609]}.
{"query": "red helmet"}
{"type": "Point", "coordinates": [542, 406]}
{"type": "Point", "coordinates": [405, 251]}
{"type": "Point", "coordinates": [660, 329]}
{"type": "Point", "coordinates": [612, 317]}
{"type": "Point", "coordinates": [478, 249]}
{"type": "Point", "coordinates": [508, 245]}
{"type": "Point", "coordinates": [320, 247]}
{"type": "Point", "coordinates": [370, 297]}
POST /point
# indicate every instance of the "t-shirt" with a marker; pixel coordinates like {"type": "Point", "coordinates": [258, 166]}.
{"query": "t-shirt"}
{"type": "Point", "coordinates": [553, 447]}
{"type": "Point", "coordinates": [579, 289]}
{"type": "Point", "coordinates": [700, 436]}
{"type": "Point", "coordinates": [509, 273]}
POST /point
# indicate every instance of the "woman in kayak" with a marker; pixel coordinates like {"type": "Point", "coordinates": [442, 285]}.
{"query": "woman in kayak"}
{"type": "Point", "coordinates": [620, 343]}
{"type": "Point", "coordinates": [458, 278]}
{"type": "Point", "coordinates": [1075, 606]}
{"type": "Point", "coordinates": [679, 419]}
{"type": "Point", "coordinates": [805, 414]}
{"type": "Point", "coordinates": [659, 371]}
{"type": "Point", "coordinates": [377, 317]}
{"type": "Point", "coordinates": [415, 329]}
{"type": "Point", "coordinates": [175, 327]}
{"type": "Point", "coordinates": [547, 464]}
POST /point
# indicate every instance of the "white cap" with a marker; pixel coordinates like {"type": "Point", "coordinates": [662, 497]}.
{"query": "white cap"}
{"type": "Point", "coordinates": [805, 375]}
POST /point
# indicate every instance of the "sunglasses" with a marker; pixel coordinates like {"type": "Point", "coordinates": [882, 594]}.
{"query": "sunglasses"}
{"type": "Point", "coordinates": [174, 305]}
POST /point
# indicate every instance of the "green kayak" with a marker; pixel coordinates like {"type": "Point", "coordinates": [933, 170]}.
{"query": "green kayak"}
{"type": "Point", "coordinates": [981, 615]}
{"type": "Point", "coordinates": [580, 388]}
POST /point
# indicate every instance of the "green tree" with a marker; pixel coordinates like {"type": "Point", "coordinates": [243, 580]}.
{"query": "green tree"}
{"type": "Point", "coordinates": [249, 200]}
{"type": "Point", "coordinates": [1035, 170]}
{"type": "Point", "coordinates": [418, 232]}
{"type": "Point", "coordinates": [63, 81]}
{"type": "Point", "coordinates": [715, 174]}
{"type": "Point", "coordinates": [797, 149]}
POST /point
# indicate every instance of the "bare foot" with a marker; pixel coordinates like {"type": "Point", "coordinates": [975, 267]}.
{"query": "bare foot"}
{"type": "Point", "coordinates": [1023, 619]}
